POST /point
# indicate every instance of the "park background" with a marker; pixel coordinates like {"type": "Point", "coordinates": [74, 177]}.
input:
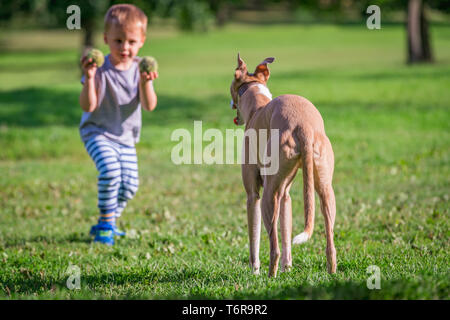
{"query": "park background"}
{"type": "Point", "coordinates": [386, 114]}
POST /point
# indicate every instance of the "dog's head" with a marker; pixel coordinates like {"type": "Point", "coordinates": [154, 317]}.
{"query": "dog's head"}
{"type": "Point", "coordinates": [242, 77]}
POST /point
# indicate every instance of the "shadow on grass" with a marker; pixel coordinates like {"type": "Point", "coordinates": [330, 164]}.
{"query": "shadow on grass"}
{"type": "Point", "coordinates": [41, 66]}
{"type": "Point", "coordinates": [40, 107]}
{"type": "Point", "coordinates": [75, 237]}
{"type": "Point", "coordinates": [28, 282]}
{"type": "Point", "coordinates": [218, 285]}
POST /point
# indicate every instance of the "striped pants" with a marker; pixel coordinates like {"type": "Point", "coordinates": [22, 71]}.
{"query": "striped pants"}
{"type": "Point", "coordinates": [118, 175]}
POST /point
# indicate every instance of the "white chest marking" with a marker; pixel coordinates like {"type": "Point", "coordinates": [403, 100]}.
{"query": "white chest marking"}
{"type": "Point", "coordinates": [264, 90]}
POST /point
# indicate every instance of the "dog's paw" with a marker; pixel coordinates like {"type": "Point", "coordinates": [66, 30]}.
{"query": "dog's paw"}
{"type": "Point", "coordinates": [286, 268]}
{"type": "Point", "coordinates": [301, 238]}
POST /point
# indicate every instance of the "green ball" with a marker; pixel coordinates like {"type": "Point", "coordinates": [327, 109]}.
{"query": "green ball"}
{"type": "Point", "coordinates": [96, 56]}
{"type": "Point", "coordinates": [148, 64]}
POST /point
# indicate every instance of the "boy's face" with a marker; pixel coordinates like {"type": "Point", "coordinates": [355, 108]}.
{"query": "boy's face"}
{"type": "Point", "coordinates": [124, 43]}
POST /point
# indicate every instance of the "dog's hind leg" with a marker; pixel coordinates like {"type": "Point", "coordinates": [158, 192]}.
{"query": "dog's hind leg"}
{"type": "Point", "coordinates": [286, 229]}
{"type": "Point", "coordinates": [286, 219]}
{"type": "Point", "coordinates": [328, 207]}
{"type": "Point", "coordinates": [270, 212]}
{"type": "Point", "coordinates": [275, 199]}
{"type": "Point", "coordinates": [323, 175]}
{"type": "Point", "coordinates": [276, 202]}
{"type": "Point", "coordinates": [252, 184]}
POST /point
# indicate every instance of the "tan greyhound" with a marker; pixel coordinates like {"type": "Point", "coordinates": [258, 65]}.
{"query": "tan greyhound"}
{"type": "Point", "coordinates": [302, 144]}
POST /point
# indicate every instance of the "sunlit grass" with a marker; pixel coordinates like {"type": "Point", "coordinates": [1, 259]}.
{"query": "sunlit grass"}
{"type": "Point", "coordinates": [388, 123]}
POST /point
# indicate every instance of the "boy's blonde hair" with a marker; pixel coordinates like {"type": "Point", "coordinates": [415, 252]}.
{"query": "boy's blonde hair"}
{"type": "Point", "coordinates": [124, 15]}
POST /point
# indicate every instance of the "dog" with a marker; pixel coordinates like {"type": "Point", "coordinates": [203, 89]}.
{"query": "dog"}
{"type": "Point", "coordinates": [302, 144]}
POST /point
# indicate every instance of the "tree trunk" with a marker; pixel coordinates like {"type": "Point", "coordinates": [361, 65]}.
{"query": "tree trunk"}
{"type": "Point", "coordinates": [221, 15]}
{"type": "Point", "coordinates": [220, 10]}
{"type": "Point", "coordinates": [419, 49]}
{"type": "Point", "coordinates": [88, 40]}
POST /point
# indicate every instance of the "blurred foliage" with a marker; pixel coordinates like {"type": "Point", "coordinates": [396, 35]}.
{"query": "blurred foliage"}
{"type": "Point", "coordinates": [339, 5]}
{"type": "Point", "coordinates": [335, 9]}
{"type": "Point", "coordinates": [191, 15]}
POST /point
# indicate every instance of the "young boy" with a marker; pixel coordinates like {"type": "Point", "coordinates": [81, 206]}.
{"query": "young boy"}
{"type": "Point", "coordinates": [111, 99]}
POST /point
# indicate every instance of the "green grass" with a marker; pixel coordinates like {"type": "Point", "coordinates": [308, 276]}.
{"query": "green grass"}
{"type": "Point", "coordinates": [388, 123]}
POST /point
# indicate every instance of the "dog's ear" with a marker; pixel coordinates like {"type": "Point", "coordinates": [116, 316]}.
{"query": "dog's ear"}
{"type": "Point", "coordinates": [241, 69]}
{"type": "Point", "coordinates": [262, 71]}
{"type": "Point", "coordinates": [241, 63]}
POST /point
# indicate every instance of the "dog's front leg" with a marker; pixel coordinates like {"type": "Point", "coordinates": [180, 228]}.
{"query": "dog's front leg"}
{"type": "Point", "coordinates": [254, 229]}
{"type": "Point", "coordinates": [286, 230]}
{"type": "Point", "coordinates": [253, 183]}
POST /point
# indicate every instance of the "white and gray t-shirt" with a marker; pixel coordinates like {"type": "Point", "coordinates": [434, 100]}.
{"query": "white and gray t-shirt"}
{"type": "Point", "coordinates": [118, 115]}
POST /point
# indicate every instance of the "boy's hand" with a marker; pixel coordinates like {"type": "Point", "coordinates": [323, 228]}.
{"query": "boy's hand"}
{"type": "Point", "coordinates": [147, 76]}
{"type": "Point", "coordinates": [147, 94]}
{"type": "Point", "coordinates": [89, 68]}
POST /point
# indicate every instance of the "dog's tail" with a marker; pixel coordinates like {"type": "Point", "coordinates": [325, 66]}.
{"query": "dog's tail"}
{"type": "Point", "coordinates": [308, 195]}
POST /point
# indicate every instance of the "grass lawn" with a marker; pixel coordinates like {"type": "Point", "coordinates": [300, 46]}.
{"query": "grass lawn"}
{"type": "Point", "coordinates": [187, 233]}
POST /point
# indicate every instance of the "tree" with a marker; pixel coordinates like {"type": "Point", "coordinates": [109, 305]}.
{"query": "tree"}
{"type": "Point", "coordinates": [419, 48]}
{"type": "Point", "coordinates": [91, 14]}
